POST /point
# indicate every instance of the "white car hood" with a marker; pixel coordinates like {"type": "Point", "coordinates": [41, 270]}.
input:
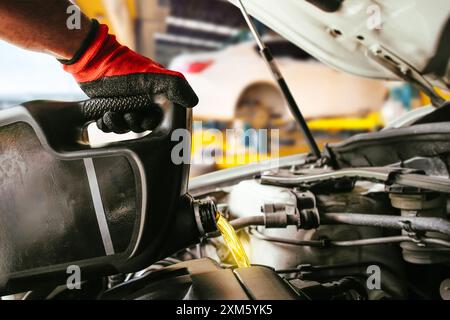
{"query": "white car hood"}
{"type": "Point", "coordinates": [416, 32]}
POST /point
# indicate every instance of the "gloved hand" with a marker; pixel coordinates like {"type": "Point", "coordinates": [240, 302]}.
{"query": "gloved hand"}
{"type": "Point", "coordinates": [122, 84]}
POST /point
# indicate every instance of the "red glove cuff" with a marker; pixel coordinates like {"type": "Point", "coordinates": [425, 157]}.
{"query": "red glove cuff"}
{"type": "Point", "coordinates": [105, 57]}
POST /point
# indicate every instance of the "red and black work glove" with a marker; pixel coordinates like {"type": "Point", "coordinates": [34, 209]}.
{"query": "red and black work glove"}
{"type": "Point", "coordinates": [122, 84]}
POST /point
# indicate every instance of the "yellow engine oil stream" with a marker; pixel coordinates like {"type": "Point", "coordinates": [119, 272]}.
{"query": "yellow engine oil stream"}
{"type": "Point", "coordinates": [232, 241]}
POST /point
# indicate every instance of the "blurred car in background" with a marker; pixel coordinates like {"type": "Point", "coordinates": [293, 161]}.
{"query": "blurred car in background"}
{"type": "Point", "coordinates": [236, 78]}
{"type": "Point", "coordinates": [236, 90]}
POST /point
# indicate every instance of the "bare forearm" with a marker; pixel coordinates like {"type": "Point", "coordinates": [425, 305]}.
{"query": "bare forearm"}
{"type": "Point", "coordinates": [41, 25]}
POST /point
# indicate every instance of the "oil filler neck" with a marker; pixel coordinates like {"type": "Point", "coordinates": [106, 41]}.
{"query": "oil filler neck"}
{"type": "Point", "coordinates": [205, 215]}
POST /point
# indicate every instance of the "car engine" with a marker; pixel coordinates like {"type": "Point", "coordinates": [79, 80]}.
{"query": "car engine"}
{"type": "Point", "coordinates": [364, 230]}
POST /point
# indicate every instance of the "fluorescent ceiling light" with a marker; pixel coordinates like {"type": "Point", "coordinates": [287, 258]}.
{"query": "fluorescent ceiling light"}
{"type": "Point", "coordinates": [202, 26]}
{"type": "Point", "coordinates": [188, 40]}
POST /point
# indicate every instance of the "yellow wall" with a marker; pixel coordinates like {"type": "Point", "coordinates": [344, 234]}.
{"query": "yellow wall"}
{"type": "Point", "coordinates": [426, 101]}
{"type": "Point", "coordinates": [95, 9]}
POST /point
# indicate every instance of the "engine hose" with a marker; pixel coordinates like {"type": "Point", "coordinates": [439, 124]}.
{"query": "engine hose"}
{"type": "Point", "coordinates": [348, 243]}
{"type": "Point", "coordinates": [256, 220]}
{"type": "Point", "coordinates": [240, 223]}
{"type": "Point", "coordinates": [388, 240]}
{"type": "Point", "coordinates": [382, 221]}
{"type": "Point", "coordinates": [394, 222]}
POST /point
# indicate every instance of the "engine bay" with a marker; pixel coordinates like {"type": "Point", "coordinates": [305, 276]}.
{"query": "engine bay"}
{"type": "Point", "coordinates": [369, 232]}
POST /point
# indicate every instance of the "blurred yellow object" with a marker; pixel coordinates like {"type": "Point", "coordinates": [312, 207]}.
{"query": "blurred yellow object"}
{"type": "Point", "coordinates": [371, 122]}
{"type": "Point", "coordinates": [425, 100]}
{"type": "Point", "coordinates": [227, 153]}
{"type": "Point", "coordinates": [96, 9]}
{"type": "Point", "coordinates": [240, 159]}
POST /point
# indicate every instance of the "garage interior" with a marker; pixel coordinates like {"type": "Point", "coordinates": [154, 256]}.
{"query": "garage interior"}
{"type": "Point", "coordinates": [290, 150]}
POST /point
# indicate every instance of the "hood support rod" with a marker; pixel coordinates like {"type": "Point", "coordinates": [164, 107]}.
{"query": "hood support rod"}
{"type": "Point", "coordinates": [405, 71]}
{"type": "Point", "coordinates": [269, 59]}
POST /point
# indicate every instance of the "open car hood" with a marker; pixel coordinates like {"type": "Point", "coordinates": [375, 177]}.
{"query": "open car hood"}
{"type": "Point", "coordinates": [347, 34]}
